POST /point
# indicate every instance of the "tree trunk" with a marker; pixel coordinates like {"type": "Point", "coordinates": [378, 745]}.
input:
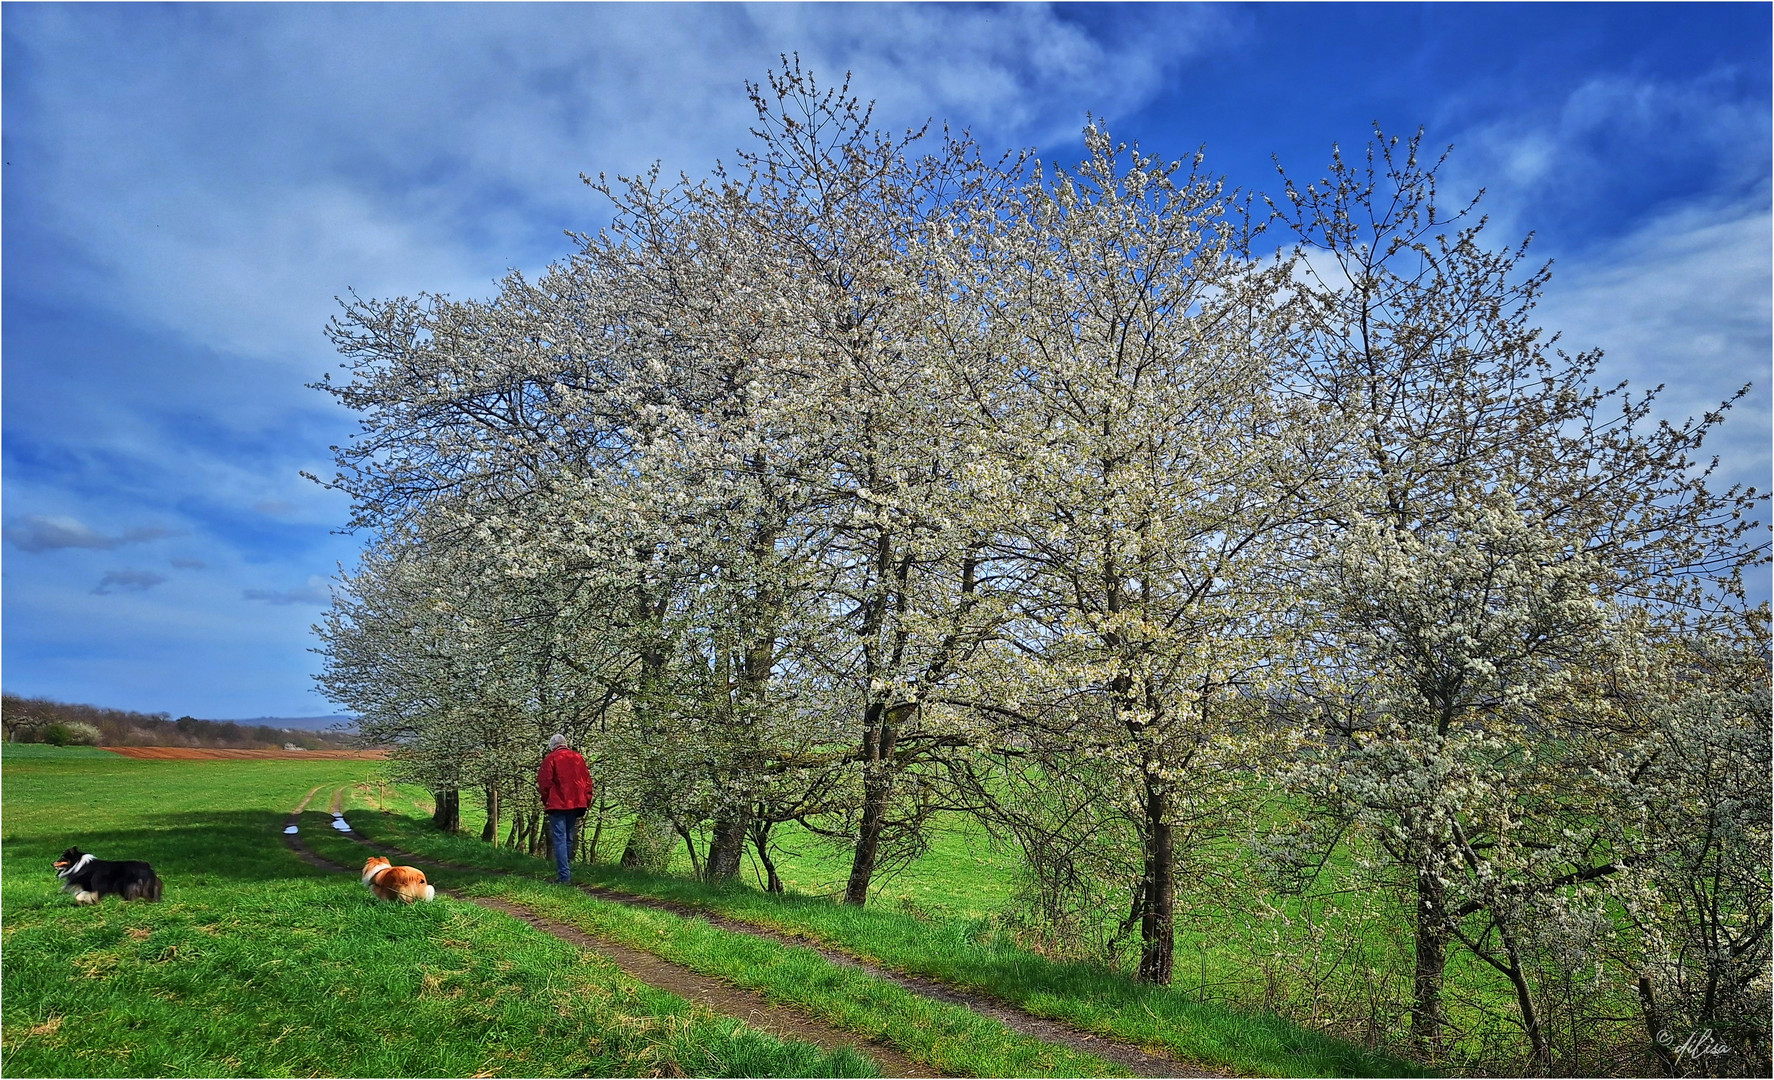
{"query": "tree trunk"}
{"type": "Point", "coordinates": [1524, 1000]}
{"type": "Point", "coordinates": [690, 846]}
{"type": "Point", "coordinates": [448, 815]}
{"type": "Point", "coordinates": [632, 851]}
{"type": "Point", "coordinates": [726, 849]}
{"type": "Point", "coordinates": [868, 839]}
{"type": "Point", "coordinates": [878, 730]}
{"type": "Point", "coordinates": [649, 845]}
{"type": "Point", "coordinates": [1158, 919]}
{"type": "Point", "coordinates": [877, 787]}
{"type": "Point", "coordinates": [490, 831]}
{"type": "Point", "coordinates": [760, 834]}
{"type": "Point", "coordinates": [1427, 1015]}
{"type": "Point", "coordinates": [1654, 1025]}
{"type": "Point", "coordinates": [597, 829]}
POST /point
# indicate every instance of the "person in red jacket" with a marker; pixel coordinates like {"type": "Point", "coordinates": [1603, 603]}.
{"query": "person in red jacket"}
{"type": "Point", "coordinates": [565, 785]}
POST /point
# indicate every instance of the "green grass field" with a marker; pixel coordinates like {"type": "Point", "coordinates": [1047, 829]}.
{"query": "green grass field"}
{"type": "Point", "coordinates": [939, 919]}
{"type": "Point", "coordinates": [963, 874]}
{"type": "Point", "coordinates": [256, 964]}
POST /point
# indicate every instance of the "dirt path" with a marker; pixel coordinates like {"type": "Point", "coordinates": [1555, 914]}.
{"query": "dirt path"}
{"type": "Point", "coordinates": [1139, 1061]}
{"type": "Point", "coordinates": [713, 994]}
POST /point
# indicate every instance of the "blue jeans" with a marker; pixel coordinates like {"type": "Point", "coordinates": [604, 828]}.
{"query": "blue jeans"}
{"type": "Point", "coordinates": [560, 833]}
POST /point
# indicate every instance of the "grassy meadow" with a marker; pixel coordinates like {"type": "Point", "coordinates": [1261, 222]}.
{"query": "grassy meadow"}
{"type": "Point", "coordinates": [1335, 963]}
{"type": "Point", "coordinates": [941, 918]}
{"type": "Point", "coordinates": [256, 964]}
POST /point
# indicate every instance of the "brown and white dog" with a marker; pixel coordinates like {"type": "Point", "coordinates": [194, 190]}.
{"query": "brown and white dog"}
{"type": "Point", "coordinates": [389, 882]}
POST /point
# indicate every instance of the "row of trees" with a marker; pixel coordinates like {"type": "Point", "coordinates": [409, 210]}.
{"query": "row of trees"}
{"type": "Point", "coordinates": [858, 483]}
{"type": "Point", "coordinates": [36, 719]}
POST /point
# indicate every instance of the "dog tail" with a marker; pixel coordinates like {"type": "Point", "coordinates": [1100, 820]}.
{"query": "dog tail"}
{"type": "Point", "coordinates": [148, 889]}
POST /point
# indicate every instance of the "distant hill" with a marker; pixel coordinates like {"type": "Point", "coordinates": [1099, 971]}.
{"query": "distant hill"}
{"type": "Point", "coordinates": [63, 723]}
{"type": "Point", "coordinates": [299, 723]}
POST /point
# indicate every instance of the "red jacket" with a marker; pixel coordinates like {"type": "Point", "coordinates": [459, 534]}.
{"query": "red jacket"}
{"type": "Point", "coordinates": [563, 781]}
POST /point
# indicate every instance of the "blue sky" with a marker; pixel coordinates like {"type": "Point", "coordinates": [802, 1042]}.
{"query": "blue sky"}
{"type": "Point", "coordinates": [187, 188]}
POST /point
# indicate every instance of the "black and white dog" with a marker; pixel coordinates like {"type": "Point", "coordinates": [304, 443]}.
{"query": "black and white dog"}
{"type": "Point", "coordinates": [91, 880]}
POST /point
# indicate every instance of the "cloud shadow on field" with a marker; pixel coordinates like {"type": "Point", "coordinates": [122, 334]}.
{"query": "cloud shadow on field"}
{"type": "Point", "coordinates": [190, 847]}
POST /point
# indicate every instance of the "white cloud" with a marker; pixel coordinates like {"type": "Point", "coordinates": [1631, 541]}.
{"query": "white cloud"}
{"type": "Point", "coordinates": [315, 592]}
{"type": "Point", "coordinates": [1675, 290]}
{"type": "Point", "coordinates": [221, 176]}
{"type": "Point", "coordinates": [256, 274]}
{"type": "Point", "coordinates": [127, 581]}
{"type": "Point", "coordinates": [142, 650]}
{"type": "Point", "coordinates": [217, 174]}
{"type": "Point", "coordinates": [36, 533]}
{"type": "Point", "coordinates": [1015, 73]}
{"type": "Point", "coordinates": [231, 174]}
{"type": "Point", "coordinates": [221, 172]}
{"type": "Point", "coordinates": [1562, 160]}
{"type": "Point", "coordinates": [1684, 300]}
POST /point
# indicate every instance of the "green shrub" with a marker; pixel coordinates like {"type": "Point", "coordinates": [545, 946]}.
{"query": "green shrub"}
{"type": "Point", "coordinates": [649, 846]}
{"type": "Point", "coordinates": [72, 733]}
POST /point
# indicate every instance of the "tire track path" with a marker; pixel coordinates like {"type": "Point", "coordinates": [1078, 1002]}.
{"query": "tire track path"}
{"type": "Point", "coordinates": [1139, 1061]}
{"type": "Point", "coordinates": [711, 993]}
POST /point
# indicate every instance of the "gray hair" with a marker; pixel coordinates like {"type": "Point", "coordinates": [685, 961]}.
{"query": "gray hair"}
{"type": "Point", "coordinates": [555, 742]}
